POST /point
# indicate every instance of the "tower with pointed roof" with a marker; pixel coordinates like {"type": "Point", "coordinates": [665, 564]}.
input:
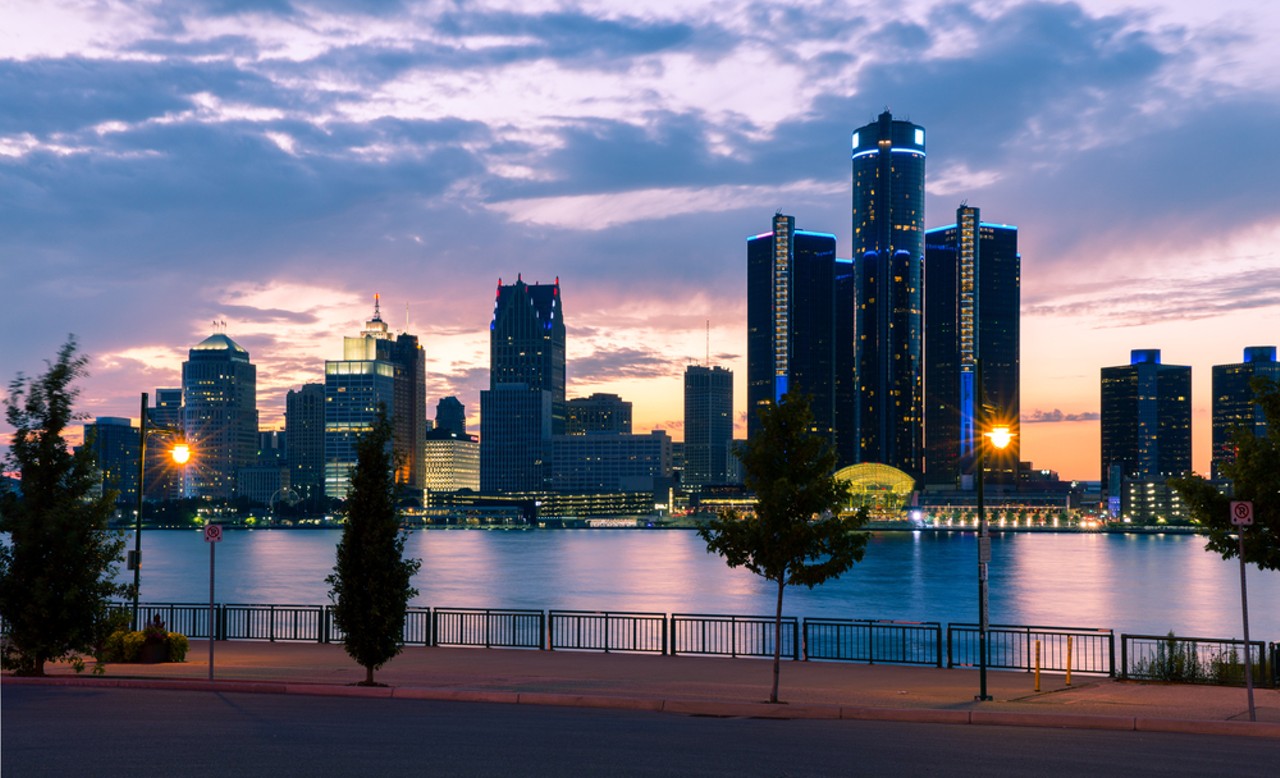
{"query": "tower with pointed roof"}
{"type": "Point", "coordinates": [219, 414]}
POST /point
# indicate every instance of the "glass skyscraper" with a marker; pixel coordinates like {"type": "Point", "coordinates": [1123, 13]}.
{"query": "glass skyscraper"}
{"type": "Point", "coordinates": [708, 425]}
{"type": "Point", "coordinates": [219, 414]}
{"type": "Point", "coordinates": [793, 343]}
{"type": "Point", "coordinates": [972, 296]}
{"type": "Point", "coordinates": [1234, 405]}
{"type": "Point", "coordinates": [888, 254]}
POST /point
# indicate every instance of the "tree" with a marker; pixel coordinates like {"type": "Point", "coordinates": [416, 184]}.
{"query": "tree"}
{"type": "Point", "coordinates": [370, 584]}
{"type": "Point", "coordinates": [796, 535]}
{"type": "Point", "coordinates": [1255, 476]}
{"type": "Point", "coordinates": [57, 574]}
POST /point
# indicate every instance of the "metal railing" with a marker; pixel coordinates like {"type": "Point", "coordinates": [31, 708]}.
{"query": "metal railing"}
{"type": "Point", "coordinates": [272, 622]}
{"type": "Point", "coordinates": [714, 635]}
{"type": "Point", "coordinates": [189, 618]}
{"type": "Point", "coordinates": [417, 627]}
{"type": "Point", "coordinates": [867, 640]}
{"type": "Point", "coordinates": [490, 628]}
{"type": "Point", "coordinates": [607, 631]}
{"type": "Point", "coordinates": [1012, 647]}
{"type": "Point", "coordinates": [1192, 660]}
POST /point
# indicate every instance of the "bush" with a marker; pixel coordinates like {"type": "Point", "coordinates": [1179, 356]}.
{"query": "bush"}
{"type": "Point", "coordinates": [126, 646]}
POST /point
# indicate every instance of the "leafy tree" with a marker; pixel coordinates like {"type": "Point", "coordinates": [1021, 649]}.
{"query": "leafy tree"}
{"type": "Point", "coordinates": [370, 582]}
{"type": "Point", "coordinates": [796, 535]}
{"type": "Point", "coordinates": [57, 573]}
{"type": "Point", "coordinates": [1255, 475]}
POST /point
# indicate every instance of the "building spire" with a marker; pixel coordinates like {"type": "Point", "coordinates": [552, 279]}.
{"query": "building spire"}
{"type": "Point", "coordinates": [377, 307]}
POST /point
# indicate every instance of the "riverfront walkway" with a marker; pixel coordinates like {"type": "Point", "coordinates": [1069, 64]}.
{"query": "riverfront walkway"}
{"type": "Point", "coordinates": [704, 686]}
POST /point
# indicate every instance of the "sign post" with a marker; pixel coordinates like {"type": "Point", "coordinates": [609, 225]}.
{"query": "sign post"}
{"type": "Point", "coordinates": [213, 536]}
{"type": "Point", "coordinates": [1242, 516]}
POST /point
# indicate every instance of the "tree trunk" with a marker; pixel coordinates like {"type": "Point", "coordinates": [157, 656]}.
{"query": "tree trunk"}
{"type": "Point", "coordinates": [777, 640]}
{"type": "Point", "coordinates": [368, 675]}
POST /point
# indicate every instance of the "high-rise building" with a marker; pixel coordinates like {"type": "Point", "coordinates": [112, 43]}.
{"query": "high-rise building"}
{"type": "Point", "coordinates": [708, 426]}
{"type": "Point", "coordinates": [451, 416]}
{"type": "Point", "coordinates": [525, 403]}
{"type": "Point", "coordinates": [452, 460]}
{"type": "Point", "coordinates": [304, 429]}
{"type": "Point", "coordinates": [1234, 404]}
{"type": "Point", "coordinates": [972, 274]}
{"type": "Point", "coordinates": [114, 443]}
{"type": "Point", "coordinates": [611, 462]}
{"type": "Point", "coordinates": [1146, 435]}
{"type": "Point", "coordinates": [527, 344]}
{"type": "Point", "coordinates": [376, 370]}
{"type": "Point", "coordinates": [163, 480]}
{"type": "Point", "coordinates": [598, 413]}
{"type": "Point", "coordinates": [888, 254]}
{"type": "Point", "coordinates": [219, 414]}
{"type": "Point", "coordinates": [792, 340]}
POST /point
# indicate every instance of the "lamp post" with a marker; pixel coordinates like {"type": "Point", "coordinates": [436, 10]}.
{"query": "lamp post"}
{"type": "Point", "coordinates": [181, 453]}
{"type": "Point", "coordinates": [999, 436]}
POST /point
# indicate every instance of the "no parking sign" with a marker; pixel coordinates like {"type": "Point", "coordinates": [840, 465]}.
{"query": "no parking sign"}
{"type": "Point", "coordinates": [213, 533]}
{"type": "Point", "coordinates": [1241, 513]}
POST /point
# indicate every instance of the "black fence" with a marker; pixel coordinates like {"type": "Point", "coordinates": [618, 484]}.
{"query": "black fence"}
{"type": "Point", "coordinates": [1195, 660]}
{"type": "Point", "coordinates": [865, 640]}
{"type": "Point", "coordinates": [1013, 647]}
{"type": "Point", "coordinates": [1009, 647]}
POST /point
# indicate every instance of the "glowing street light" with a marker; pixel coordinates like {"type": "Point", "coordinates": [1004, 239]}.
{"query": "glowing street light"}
{"type": "Point", "coordinates": [181, 452]}
{"type": "Point", "coordinates": [999, 436]}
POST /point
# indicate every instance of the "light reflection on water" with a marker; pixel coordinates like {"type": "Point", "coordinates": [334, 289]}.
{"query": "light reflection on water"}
{"type": "Point", "coordinates": [1133, 583]}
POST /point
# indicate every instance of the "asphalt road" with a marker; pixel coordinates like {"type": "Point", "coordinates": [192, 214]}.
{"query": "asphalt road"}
{"type": "Point", "coordinates": [123, 732]}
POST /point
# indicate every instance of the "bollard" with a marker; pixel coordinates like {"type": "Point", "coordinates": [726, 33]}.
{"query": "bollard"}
{"type": "Point", "coordinates": [1068, 660]}
{"type": "Point", "coordinates": [1037, 665]}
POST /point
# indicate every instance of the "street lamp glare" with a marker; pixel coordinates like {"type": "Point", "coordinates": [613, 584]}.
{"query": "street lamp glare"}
{"type": "Point", "coordinates": [1001, 436]}
{"type": "Point", "coordinates": [181, 453]}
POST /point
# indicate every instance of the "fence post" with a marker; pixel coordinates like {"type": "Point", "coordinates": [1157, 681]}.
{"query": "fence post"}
{"type": "Point", "coordinates": [1111, 653]}
{"type": "Point", "coordinates": [937, 634]}
{"type": "Point", "coordinates": [664, 634]}
{"type": "Point", "coordinates": [1068, 660]}
{"type": "Point", "coordinates": [1124, 657]}
{"type": "Point", "coordinates": [951, 660]}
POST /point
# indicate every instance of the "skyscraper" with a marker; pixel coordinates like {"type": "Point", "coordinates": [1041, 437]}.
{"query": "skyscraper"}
{"type": "Point", "coordinates": [972, 274]}
{"type": "Point", "coordinates": [164, 480]}
{"type": "Point", "coordinates": [1146, 434]}
{"type": "Point", "coordinates": [888, 253]}
{"type": "Point", "coordinates": [598, 413]}
{"type": "Point", "coordinates": [708, 425]}
{"type": "Point", "coordinates": [375, 370]}
{"type": "Point", "coordinates": [114, 442]}
{"type": "Point", "coordinates": [1234, 405]}
{"type": "Point", "coordinates": [792, 340]}
{"type": "Point", "coordinates": [451, 416]}
{"type": "Point", "coordinates": [219, 414]}
{"type": "Point", "coordinates": [304, 428]}
{"type": "Point", "coordinates": [525, 404]}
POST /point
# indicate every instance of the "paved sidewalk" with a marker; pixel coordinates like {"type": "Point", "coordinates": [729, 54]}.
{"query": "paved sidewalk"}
{"type": "Point", "coordinates": [706, 686]}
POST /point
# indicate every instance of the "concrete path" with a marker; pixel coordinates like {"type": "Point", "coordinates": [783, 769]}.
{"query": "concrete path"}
{"type": "Point", "coordinates": [706, 686]}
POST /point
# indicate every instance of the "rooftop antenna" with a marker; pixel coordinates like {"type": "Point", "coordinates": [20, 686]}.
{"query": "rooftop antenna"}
{"type": "Point", "coordinates": [377, 306]}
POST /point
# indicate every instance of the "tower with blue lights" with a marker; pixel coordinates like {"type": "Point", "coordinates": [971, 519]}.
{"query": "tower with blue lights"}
{"type": "Point", "coordinates": [1235, 408]}
{"type": "Point", "coordinates": [888, 255]}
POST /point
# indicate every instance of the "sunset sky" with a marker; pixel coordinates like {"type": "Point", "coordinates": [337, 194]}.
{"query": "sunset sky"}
{"type": "Point", "coordinates": [274, 164]}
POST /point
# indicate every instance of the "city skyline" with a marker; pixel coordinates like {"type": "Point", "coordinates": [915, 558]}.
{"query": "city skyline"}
{"type": "Point", "coordinates": [276, 168]}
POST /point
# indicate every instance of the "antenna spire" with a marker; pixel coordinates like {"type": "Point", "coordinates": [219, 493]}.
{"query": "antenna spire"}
{"type": "Point", "coordinates": [377, 306]}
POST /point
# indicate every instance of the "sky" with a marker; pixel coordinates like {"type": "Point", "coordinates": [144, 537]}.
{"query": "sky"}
{"type": "Point", "coordinates": [275, 163]}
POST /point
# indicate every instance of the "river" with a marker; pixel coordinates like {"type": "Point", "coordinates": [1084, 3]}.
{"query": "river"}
{"type": "Point", "coordinates": [1144, 584]}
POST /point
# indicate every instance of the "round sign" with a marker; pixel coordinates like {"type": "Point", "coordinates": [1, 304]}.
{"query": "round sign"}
{"type": "Point", "coordinates": [1242, 512]}
{"type": "Point", "coordinates": [212, 533]}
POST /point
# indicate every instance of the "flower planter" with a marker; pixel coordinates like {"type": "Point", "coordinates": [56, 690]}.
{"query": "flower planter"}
{"type": "Point", "coordinates": [152, 653]}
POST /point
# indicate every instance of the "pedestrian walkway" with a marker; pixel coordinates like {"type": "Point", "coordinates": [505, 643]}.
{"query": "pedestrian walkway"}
{"type": "Point", "coordinates": [706, 686]}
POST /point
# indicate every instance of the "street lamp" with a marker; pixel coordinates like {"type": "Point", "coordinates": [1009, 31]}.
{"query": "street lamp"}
{"type": "Point", "coordinates": [181, 452]}
{"type": "Point", "coordinates": [999, 436]}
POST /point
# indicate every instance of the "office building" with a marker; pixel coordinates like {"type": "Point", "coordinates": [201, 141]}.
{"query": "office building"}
{"type": "Point", "coordinates": [1235, 409]}
{"type": "Point", "coordinates": [598, 413]}
{"type": "Point", "coordinates": [888, 254]}
{"type": "Point", "coordinates": [114, 443]}
{"type": "Point", "coordinates": [708, 426]}
{"type": "Point", "coordinates": [1146, 434]}
{"type": "Point", "coordinates": [164, 480]}
{"type": "Point", "coordinates": [792, 340]}
{"type": "Point", "coordinates": [525, 403]}
{"type": "Point", "coordinates": [219, 414]}
{"type": "Point", "coordinates": [304, 429]}
{"type": "Point", "coordinates": [452, 462]}
{"type": "Point", "coordinates": [611, 462]}
{"type": "Point", "coordinates": [971, 307]}
{"type": "Point", "coordinates": [451, 416]}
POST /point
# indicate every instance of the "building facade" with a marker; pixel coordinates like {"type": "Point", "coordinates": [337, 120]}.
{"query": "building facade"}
{"type": "Point", "coordinates": [304, 428]}
{"type": "Point", "coordinates": [451, 416]}
{"type": "Point", "coordinates": [515, 439]}
{"type": "Point", "coordinates": [972, 299]}
{"type": "Point", "coordinates": [219, 414]}
{"type": "Point", "coordinates": [114, 443]}
{"type": "Point", "coordinates": [598, 413]}
{"type": "Point", "coordinates": [452, 460]}
{"type": "Point", "coordinates": [708, 426]}
{"type": "Point", "coordinates": [888, 255]}
{"type": "Point", "coordinates": [1234, 405]}
{"type": "Point", "coordinates": [610, 462]}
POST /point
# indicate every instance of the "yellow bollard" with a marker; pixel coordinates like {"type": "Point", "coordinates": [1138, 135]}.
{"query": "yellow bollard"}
{"type": "Point", "coordinates": [1037, 665]}
{"type": "Point", "coordinates": [1068, 660]}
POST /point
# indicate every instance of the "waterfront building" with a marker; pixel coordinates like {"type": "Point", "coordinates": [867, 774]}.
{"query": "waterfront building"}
{"type": "Point", "coordinates": [525, 403]}
{"type": "Point", "coordinates": [792, 340]}
{"type": "Point", "coordinates": [610, 462]}
{"type": "Point", "coordinates": [219, 414]}
{"type": "Point", "coordinates": [114, 443]}
{"type": "Point", "coordinates": [304, 428]}
{"type": "Point", "coordinates": [972, 298]}
{"type": "Point", "coordinates": [708, 426]}
{"type": "Point", "coordinates": [888, 254]}
{"type": "Point", "coordinates": [265, 483]}
{"type": "Point", "coordinates": [451, 416]}
{"type": "Point", "coordinates": [1234, 404]}
{"type": "Point", "coordinates": [452, 461]}
{"type": "Point", "coordinates": [598, 413]}
{"type": "Point", "coordinates": [376, 370]}
{"type": "Point", "coordinates": [1146, 435]}
{"type": "Point", "coordinates": [162, 479]}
